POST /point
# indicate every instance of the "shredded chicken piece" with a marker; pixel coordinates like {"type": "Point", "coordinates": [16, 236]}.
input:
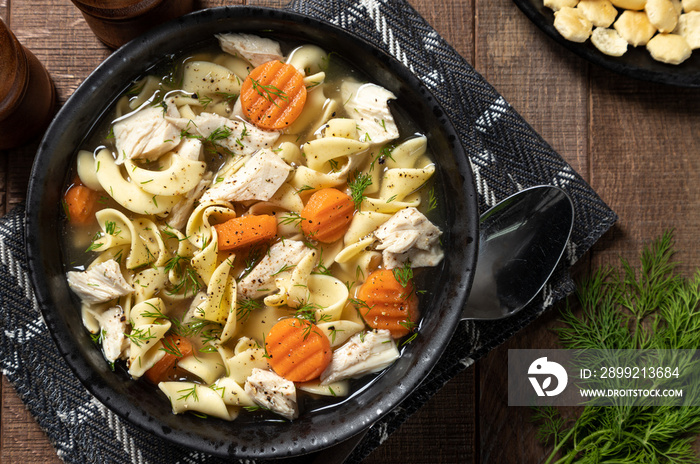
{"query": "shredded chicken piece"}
{"type": "Point", "coordinates": [242, 138]}
{"type": "Point", "coordinates": [190, 149]}
{"type": "Point", "coordinates": [180, 213]}
{"type": "Point", "coordinates": [409, 235]}
{"type": "Point", "coordinates": [146, 133]}
{"type": "Point", "coordinates": [273, 392]}
{"type": "Point", "coordinates": [99, 284]}
{"type": "Point", "coordinates": [368, 105]}
{"type": "Point", "coordinates": [113, 328]}
{"type": "Point", "coordinates": [254, 49]}
{"type": "Point", "coordinates": [261, 280]}
{"type": "Point", "coordinates": [364, 353]}
{"type": "Point", "coordinates": [259, 178]}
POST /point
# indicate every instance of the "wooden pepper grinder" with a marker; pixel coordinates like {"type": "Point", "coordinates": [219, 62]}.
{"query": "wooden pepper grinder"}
{"type": "Point", "coordinates": [116, 22]}
{"type": "Point", "coordinates": [27, 94]}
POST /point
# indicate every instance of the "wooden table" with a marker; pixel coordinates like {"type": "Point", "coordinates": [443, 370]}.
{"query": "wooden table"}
{"type": "Point", "coordinates": [637, 144]}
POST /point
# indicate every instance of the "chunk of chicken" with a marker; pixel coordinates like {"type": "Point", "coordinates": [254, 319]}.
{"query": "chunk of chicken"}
{"type": "Point", "coordinates": [254, 49]}
{"type": "Point", "coordinates": [146, 133]}
{"type": "Point", "coordinates": [259, 178]}
{"type": "Point", "coordinates": [190, 149]}
{"type": "Point", "coordinates": [238, 136]}
{"type": "Point", "coordinates": [180, 213]}
{"type": "Point", "coordinates": [273, 392]}
{"type": "Point", "coordinates": [364, 353]}
{"type": "Point", "coordinates": [409, 235]}
{"type": "Point", "coordinates": [261, 280]}
{"type": "Point", "coordinates": [113, 330]}
{"type": "Point", "coordinates": [100, 283]}
{"type": "Point", "coordinates": [368, 105]}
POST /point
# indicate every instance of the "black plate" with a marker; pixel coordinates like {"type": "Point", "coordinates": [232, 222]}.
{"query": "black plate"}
{"type": "Point", "coordinates": [141, 404]}
{"type": "Point", "coordinates": [636, 63]}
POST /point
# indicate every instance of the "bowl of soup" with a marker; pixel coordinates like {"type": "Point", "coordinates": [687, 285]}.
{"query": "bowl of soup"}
{"type": "Point", "coordinates": [251, 233]}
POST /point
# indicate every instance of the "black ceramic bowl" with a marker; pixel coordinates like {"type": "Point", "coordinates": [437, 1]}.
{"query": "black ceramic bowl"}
{"type": "Point", "coordinates": [145, 406]}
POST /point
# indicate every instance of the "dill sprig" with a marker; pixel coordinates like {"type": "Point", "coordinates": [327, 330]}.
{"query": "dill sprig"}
{"type": "Point", "coordinates": [650, 307]}
{"type": "Point", "coordinates": [403, 274]}
{"type": "Point", "coordinates": [360, 305]}
{"type": "Point", "coordinates": [140, 336]}
{"type": "Point", "coordinates": [269, 92]}
{"type": "Point", "coordinates": [284, 268]}
{"type": "Point", "coordinates": [172, 347]}
{"type": "Point", "coordinates": [321, 268]}
{"type": "Point", "coordinates": [307, 312]}
{"type": "Point", "coordinates": [245, 306]}
{"type": "Point", "coordinates": [220, 133]}
{"type": "Point", "coordinates": [255, 255]}
{"type": "Point", "coordinates": [189, 284]}
{"type": "Point", "coordinates": [188, 393]}
{"type": "Point", "coordinates": [94, 244]}
{"type": "Point", "coordinates": [291, 218]}
{"type": "Point", "coordinates": [227, 97]}
{"type": "Point", "coordinates": [432, 199]}
{"type": "Point", "coordinates": [357, 185]}
{"type": "Point", "coordinates": [111, 228]}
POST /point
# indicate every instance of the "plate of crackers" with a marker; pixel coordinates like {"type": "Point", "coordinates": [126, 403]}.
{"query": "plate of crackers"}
{"type": "Point", "coordinates": [650, 40]}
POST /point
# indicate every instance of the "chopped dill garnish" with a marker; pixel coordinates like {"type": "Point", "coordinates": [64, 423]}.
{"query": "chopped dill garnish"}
{"type": "Point", "coordinates": [358, 184]}
{"type": "Point", "coordinates": [188, 393]}
{"type": "Point", "coordinates": [403, 274]}
{"type": "Point", "coordinates": [220, 133]}
{"type": "Point", "coordinates": [269, 92]}
{"type": "Point", "coordinates": [291, 218]}
{"type": "Point", "coordinates": [360, 304]}
{"type": "Point", "coordinates": [245, 306]}
{"type": "Point", "coordinates": [284, 268]}
{"type": "Point", "coordinates": [140, 336]}
{"type": "Point", "coordinates": [111, 228]}
{"type": "Point", "coordinates": [94, 245]}
{"type": "Point", "coordinates": [188, 285]}
{"type": "Point", "coordinates": [170, 346]}
{"type": "Point", "coordinates": [432, 199]}
{"type": "Point", "coordinates": [204, 101]}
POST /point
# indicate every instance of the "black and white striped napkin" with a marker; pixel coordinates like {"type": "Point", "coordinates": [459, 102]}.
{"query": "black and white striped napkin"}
{"type": "Point", "coordinates": [511, 156]}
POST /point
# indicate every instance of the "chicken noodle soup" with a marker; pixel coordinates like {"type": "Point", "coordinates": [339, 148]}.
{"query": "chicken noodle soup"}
{"type": "Point", "coordinates": [252, 223]}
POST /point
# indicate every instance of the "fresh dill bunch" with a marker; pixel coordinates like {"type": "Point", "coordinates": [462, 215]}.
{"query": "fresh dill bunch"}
{"type": "Point", "coordinates": [650, 307]}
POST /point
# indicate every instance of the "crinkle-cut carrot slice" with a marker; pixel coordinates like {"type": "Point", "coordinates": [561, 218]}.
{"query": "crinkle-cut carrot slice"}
{"type": "Point", "coordinates": [298, 350]}
{"type": "Point", "coordinates": [273, 95]}
{"type": "Point", "coordinates": [327, 215]}
{"type": "Point", "coordinates": [389, 305]}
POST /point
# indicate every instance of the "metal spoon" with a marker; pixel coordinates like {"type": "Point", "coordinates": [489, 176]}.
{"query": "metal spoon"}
{"type": "Point", "coordinates": [521, 241]}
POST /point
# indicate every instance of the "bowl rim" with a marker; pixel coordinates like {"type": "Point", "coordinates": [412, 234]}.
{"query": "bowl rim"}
{"type": "Point", "coordinates": [69, 347]}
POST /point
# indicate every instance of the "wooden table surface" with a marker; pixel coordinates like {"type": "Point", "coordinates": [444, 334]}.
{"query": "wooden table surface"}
{"type": "Point", "coordinates": [637, 144]}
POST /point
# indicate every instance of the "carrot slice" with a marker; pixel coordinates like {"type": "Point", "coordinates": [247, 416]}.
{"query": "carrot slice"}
{"type": "Point", "coordinates": [273, 95]}
{"type": "Point", "coordinates": [245, 231]}
{"type": "Point", "coordinates": [327, 215]}
{"type": "Point", "coordinates": [176, 347]}
{"type": "Point", "coordinates": [80, 203]}
{"type": "Point", "coordinates": [389, 305]}
{"type": "Point", "coordinates": [297, 349]}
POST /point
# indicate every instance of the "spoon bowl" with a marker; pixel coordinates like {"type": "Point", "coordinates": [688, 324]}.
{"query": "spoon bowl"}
{"type": "Point", "coordinates": [521, 241]}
